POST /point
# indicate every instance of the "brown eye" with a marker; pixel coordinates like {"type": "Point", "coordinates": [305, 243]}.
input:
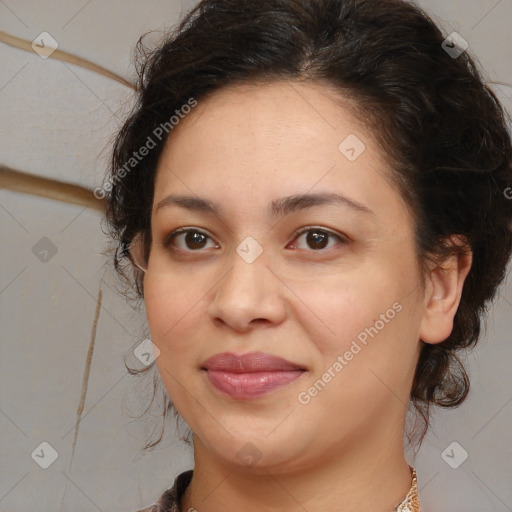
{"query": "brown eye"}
{"type": "Point", "coordinates": [195, 240]}
{"type": "Point", "coordinates": [318, 239]}
{"type": "Point", "coordinates": [187, 239]}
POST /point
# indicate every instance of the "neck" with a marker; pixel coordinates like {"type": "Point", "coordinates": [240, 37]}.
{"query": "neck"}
{"type": "Point", "coordinates": [367, 473]}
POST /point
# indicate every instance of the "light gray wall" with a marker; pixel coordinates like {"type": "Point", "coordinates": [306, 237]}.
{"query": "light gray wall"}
{"type": "Point", "coordinates": [56, 121]}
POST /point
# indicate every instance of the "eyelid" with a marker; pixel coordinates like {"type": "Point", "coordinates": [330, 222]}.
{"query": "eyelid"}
{"type": "Point", "coordinates": [170, 237]}
{"type": "Point", "coordinates": [341, 238]}
{"type": "Point", "coordinates": [305, 229]}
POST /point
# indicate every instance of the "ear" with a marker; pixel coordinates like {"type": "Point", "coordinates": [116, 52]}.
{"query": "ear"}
{"type": "Point", "coordinates": [136, 252]}
{"type": "Point", "coordinates": [443, 291]}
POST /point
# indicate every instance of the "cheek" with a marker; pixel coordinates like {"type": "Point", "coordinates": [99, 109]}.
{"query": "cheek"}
{"type": "Point", "coordinates": [169, 298]}
{"type": "Point", "coordinates": [171, 310]}
{"type": "Point", "coordinates": [170, 316]}
{"type": "Point", "coordinates": [337, 310]}
{"type": "Point", "coordinates": [368, 319]}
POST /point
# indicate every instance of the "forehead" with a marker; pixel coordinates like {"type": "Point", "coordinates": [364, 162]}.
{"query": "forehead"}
{"type": "Point", "coordinates": [272, 140]}
{"type": "Point", "coordinates": [288, 110]}
{"type": "Point", "coordinates": [263, 126]}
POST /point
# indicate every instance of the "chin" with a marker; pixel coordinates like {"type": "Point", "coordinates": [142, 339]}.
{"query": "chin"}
{"type": "Point", "coordinates": [258, 453]}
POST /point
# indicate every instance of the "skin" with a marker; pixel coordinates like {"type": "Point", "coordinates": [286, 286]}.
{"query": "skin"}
{"type": "Point", "coordinates": [241, 148]}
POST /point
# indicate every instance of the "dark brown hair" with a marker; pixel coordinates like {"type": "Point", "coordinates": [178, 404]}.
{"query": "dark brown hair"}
{"type": "Point", "coordinates": [434, 117]}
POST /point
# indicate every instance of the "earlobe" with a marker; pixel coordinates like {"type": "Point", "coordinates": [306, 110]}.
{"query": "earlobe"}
{"type": "Point", "coordinates": [443, 294]}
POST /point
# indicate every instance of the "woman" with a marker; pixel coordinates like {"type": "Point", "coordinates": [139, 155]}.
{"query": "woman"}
{"type": "Point", "coordinates": [313, 198]}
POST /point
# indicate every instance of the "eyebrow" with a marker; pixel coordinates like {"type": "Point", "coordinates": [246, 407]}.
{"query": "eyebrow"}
{"type": "Point", "coordinates": [282, 206]}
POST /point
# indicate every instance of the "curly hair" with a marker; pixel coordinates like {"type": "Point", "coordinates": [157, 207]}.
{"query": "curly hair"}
{"type": "Point", "coordinates": [432, 114]}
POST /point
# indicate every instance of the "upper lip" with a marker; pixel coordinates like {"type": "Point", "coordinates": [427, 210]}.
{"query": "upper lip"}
{"type": "Point", "coordinates": [249, 363]}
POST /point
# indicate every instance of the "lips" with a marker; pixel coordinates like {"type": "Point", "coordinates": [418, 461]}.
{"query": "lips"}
{"type": "Point", "coordinates": [249, 363]}
{"type": "Point", "coordinates": [249, 375]}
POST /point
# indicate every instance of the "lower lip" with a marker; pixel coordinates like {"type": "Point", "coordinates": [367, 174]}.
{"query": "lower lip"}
{"type": "Point", "coordinates": [250, 385]}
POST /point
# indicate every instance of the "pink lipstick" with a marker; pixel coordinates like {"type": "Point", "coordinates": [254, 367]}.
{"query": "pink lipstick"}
{"type": "Point", "coordinates": [249, 375]}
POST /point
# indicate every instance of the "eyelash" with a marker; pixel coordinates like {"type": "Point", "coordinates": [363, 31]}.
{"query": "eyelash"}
{"type": "Point", "coordinates": [169, 238]}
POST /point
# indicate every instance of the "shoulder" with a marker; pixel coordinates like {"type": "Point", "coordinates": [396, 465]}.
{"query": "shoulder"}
{"type": "Point", "coordinates": [170, 499]}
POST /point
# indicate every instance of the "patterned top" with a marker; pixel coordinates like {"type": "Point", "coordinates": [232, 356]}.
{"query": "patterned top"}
{"type": "Point", "coordinates": [171, 498]}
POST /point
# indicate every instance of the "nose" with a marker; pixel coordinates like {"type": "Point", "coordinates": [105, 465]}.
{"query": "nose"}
{"type": "Point", "coordinates": [249, 294]}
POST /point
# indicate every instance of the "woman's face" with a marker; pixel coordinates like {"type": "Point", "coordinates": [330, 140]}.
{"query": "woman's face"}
{"type": "Point", "coordinates": [331, 286]}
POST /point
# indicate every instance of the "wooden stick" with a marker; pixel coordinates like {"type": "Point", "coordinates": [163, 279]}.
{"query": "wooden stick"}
{"type": "Point", "coordinates": [18, 181]}
{"type": "Point", "coordinates": [87, 371]}
{"type": "Point", "coordinates": [23, 44]}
